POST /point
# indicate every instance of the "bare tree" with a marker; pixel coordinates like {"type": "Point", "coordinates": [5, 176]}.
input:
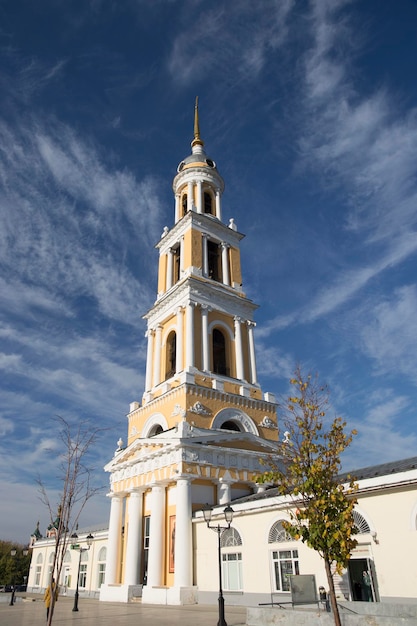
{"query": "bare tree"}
{"type": "Point", "coordinates": [77, 488]}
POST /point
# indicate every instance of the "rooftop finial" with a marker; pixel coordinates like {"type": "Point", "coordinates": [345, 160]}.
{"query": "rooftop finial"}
{"type": "Point", "coordinates": [197, 141]}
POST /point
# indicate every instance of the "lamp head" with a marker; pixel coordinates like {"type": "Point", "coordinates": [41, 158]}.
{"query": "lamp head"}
{"type": "Point", "coordinates": [89, 540]}
{"type": "Point", "coordinates": [228, 514]}
{"type": "Point", "coordinates": [207, 511]}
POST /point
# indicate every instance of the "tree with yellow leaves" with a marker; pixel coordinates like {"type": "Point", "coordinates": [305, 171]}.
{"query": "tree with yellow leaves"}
{"type": "Point", "coordinates": [323, 512]}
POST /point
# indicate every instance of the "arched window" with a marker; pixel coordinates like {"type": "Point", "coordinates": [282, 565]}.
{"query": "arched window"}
{"type": "Point", "coordinates": [213, 254]}
{"type": "Point", "coordinates": [361, 523]}
{"type": "Point", "coordinates": [82, 580]}
{"type": "Point", "coordinates": [171, 355]}
{"type": "Point", "coordinates": [230, 537]}
{"type": "Point", "coordinates": [284, 562]}
{"type": "Point", "coordinates": [177, 264]}
{"type": "Point", "coordinates": [208, 203]}
{"type": "Point", "coordinates": [231, 560]}
{"type": "Point", "coordinates": [51, 563]}
{"type": "Point", "coordinates": [102, 557]}
{"type": "Point", "coordinates": [229, 425]}
{"type": "Point", "coordinates": [156, 430]}
{"type": "Point", "coordinates": [278, 533]}
{"type": "Point", "coordinates": [38, 570]}
{"type": "Point", "coordinates": [219, 353]}
{"type": "Point", "coordinates": [184, 203]}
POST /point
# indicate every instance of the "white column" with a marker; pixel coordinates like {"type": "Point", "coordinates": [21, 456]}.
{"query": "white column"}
{"type": "Point", "coordinates": [205, 256]}
{"type": "Point", "coordinates": [225, 264]}
{"type": "Point", "coordinates": [253, 374]}
{"type": "Point", "coordinates": [218, 205]}
{"type": "Point", "coordinates": [115, 531]}
{"type": "Point", "coordinates": [199, 197]}
{"type": "Point", "coordinates": [170, 271]}
{"type": "Point", "coordinates": [181, 257]}
{"type": "Point", "coordinates": [177, 207]}
{"type": "Point", "coordinates": [156, 537]}
{"type": "Point", "coordinates": [183, 535]}
{"type": "Point", "coordinates": [189, 336]}
{"type": "Point", "coordinates": [223, 492]}
{"type": "Point", "coordinates": [180, 340]}
{"type": "Point", "coordinates": [238, 349]}
{"type": "Point", "coordinates": [134, 536]}
{"type": "Point", "coordinates": [149, 356]}
{"type": "Point", "coordinates": [190, 199]}
{"type": "Point", "coordinates": [205, 339]}
{"type": "Point", "coordinates": [157, 356]}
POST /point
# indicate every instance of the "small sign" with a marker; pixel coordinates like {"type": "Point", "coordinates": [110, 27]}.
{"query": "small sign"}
{"type": "Point", "coordinates": [75, 546]}
{"type": "Point", "coordinates": [303, 589]}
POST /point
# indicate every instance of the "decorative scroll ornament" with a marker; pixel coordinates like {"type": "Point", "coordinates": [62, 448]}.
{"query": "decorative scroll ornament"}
{"type": "Point", "coordinates": [268, 423]}
{"type": "Point", "coordinates": [200, 409]}
{"type": "Point", "coordinates": [178, 410]}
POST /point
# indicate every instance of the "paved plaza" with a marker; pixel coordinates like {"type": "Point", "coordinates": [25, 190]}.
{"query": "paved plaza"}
{"type": "Point", "coordinates": [31, 612]}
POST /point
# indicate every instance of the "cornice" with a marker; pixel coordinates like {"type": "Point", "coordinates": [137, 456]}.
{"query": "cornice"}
{"type": "Point", "coordinates": [201, 291]}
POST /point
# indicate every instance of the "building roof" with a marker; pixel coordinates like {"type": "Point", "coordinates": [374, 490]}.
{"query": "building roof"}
{"type": "Point", "coordinates": [384, 469]}
{"type": "Point", "coordinates": [372, 471]}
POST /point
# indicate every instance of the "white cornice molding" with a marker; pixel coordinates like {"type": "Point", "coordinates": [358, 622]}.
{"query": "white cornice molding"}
{"type": "Point", "coordinates": [203, 292]}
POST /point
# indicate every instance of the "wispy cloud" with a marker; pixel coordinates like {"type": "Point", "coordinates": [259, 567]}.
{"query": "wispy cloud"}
{"type": "Point", "coordinates": [69, 222]}
{"type": "Point", "coordinates": [214, 40]}
{"type": "Point", "coordinates": [389, 332]}
{"type": "Point", "coordinates": [364, 146]}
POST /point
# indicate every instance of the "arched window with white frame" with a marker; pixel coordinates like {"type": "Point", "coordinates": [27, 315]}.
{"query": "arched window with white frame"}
{"type": "Point", "coordinates": [360, 523]}
{"type": "Point", "coordinates": [38, 570]}
{"type": "Point", "coordinates": [232, 574]}
{"type": "Point", "coordinates": [284, 559]}
{"type": "Point", "coordinates": [101, 566]}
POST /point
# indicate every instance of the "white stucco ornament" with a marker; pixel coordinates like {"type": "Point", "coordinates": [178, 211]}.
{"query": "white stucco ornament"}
{"type": "Point", "coordinates": [200, 409]}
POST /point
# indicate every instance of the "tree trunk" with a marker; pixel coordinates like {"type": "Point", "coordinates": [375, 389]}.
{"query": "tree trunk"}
{"type": "Point", "coordinates": [333, 603]}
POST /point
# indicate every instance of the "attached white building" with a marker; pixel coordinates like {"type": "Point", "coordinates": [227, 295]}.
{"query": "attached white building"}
{"type": "Point", "coordinates": [258, 556]}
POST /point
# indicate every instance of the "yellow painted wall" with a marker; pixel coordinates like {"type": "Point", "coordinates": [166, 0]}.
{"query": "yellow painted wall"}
{"type": "Point", "coordinates": [163, 260]}
{"type": "Point", "coordinates": [235, 266]}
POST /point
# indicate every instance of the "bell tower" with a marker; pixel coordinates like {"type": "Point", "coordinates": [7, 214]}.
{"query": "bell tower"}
{"type": "Point", "coordinates": [203, 424]}
{"type": "Point", "coordinates": [200, 329]}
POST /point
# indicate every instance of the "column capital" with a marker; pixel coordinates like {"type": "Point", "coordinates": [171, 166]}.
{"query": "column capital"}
{"type": "Point", "coordinates": [136, 492]}
{"type": "Point", "coordinates": [251, 324]}
{"type": "Point", "coordinates": [114, 496]}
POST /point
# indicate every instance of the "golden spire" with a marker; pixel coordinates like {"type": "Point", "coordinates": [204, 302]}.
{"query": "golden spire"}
{"type": "Point", "coordinates": [197, 141]}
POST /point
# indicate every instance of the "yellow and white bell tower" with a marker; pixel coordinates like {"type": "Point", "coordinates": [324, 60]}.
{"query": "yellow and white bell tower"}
{"type": "Point", "coordinates": [203, 424]}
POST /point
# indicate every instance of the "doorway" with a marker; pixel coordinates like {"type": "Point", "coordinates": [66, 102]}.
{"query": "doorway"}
{"type": "Point", "coordinates": [362, 580]}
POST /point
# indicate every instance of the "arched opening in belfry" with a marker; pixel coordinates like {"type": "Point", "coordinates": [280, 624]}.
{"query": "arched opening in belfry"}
{"type": "Point", "coordinates": [171, 355]}
{"type": "Point", "coordinates": [219, 353]}
{"type": "Point", "coordinates": [208, 203]}
{"type": "Point", "coordinates": [213, 253]}
{"type": "Point", "coordinates": [184, 203]}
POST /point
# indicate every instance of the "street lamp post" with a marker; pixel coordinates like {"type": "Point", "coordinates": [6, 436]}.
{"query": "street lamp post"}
{"type": "Point", "coordinates": [13, 553]}
{"type": "Point", "coordinates": [228, 516]}
{"type": "Point", "coordinates": [89, 542]}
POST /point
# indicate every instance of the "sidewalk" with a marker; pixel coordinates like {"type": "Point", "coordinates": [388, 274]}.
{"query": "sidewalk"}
{"type": "Point", "coordinates": [31, 612]}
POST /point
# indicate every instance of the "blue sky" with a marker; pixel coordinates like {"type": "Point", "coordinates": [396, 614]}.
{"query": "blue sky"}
{"type": "Point", "coordinates": [309, 110]}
